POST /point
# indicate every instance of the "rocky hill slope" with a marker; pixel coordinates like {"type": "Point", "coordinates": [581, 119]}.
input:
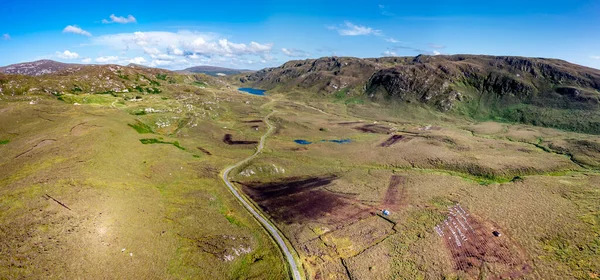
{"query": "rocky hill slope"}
{"type": "Point", "coordinates": [442, 80]}
{"type": "Point", "coordinates": [547, 92]}
{"type": "Point", "coordinates": [36, 68]}
{"type": "Point", "coordinates": [327, 74]}
{"type": "Point", "coordinates": [98, 79]}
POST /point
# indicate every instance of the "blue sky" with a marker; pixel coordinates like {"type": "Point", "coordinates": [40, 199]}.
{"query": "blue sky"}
{"type": "Point", "coordinates": [257, 34]}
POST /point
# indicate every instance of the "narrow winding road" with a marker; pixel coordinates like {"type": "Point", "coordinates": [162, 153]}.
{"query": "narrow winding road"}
{"type": "Point", "coordinates": [287, 251]}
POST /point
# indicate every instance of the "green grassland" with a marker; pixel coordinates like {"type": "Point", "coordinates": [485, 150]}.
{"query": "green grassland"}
{"type": "Point", "coordinates": [508, 173]}
{"type": "Point", "coordinates": [164, 204]}
{"type": "Point", "coordinates": [140, 174]}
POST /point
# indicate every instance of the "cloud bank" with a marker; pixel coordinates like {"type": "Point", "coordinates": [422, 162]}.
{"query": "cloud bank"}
{"type": "Point", "coordinates": [183, 48]}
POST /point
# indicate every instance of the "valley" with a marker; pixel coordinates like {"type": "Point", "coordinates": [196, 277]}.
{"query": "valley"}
{"type": "Point", "coordinates": [345, 168]}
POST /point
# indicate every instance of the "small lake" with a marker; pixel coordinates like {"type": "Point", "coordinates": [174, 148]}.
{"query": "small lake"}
{"type": "Point", "coordinates": [302, 142]}
{"type": "Point", "coordinates": [254, 91]}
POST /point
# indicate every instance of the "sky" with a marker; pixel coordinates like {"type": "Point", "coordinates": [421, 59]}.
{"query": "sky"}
{"type": "Point", "coordinates": [258, 34]}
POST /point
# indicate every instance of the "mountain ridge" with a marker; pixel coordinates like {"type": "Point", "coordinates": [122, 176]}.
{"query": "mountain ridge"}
{"type": "Point", "coordinates": [37, 68]}
{"type": "Point", "coordinates": [538, 91]}
{"type": "Point", "coordinates": [47, 66]}
{"type": "Point", "coordinates": [541, 91]}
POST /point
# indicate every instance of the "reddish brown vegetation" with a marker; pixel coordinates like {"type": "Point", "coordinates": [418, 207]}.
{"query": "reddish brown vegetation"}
{"type": "Point", "coordinates": [474, 247]}
{"type": "Point", "coordinates": [227, 139]}
{"type": "Point", "coordinates": [297, 200]}
{"type": "Point", "coordinates": [204, 150]}
{"type": "Point", "coordinates": [348, 123]}
{"type": "Point", "coordinates": [374, 128]}
{"type": "Point", "coordinates": [396, 192]}
{"type": "Point", "coordinates": [393, 139]}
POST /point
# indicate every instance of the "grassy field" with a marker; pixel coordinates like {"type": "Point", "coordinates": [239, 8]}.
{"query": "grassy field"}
{"type": "Point", "coordinates": [527, 181]}
{"type": "Point", "coordinates": [137, 209]}
{"type": "Point", "coordinates": [114, 186]}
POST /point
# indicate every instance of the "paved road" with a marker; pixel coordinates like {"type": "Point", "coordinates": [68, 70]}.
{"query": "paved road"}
{"type": "Point", "coordinates": [284, 248]}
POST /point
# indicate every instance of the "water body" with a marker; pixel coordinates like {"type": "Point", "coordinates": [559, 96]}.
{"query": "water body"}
{"type": "Point", "coordinates": [302, 142]}
{"type": "Point", "coordinates": [341, 141]}
{"type": "Point", "coordinates": [254, 91]}
{"type": "Point", "coordinates": [305, 142]}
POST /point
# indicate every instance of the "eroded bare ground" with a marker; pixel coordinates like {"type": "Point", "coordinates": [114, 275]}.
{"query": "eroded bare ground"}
{"type": "Point", "coordinates": [228, 139]}
{"type": "Point", "coordinates": [299, 200]}
{"type": "Point", "coordinates": [374, 128]}
{"type": "Point", "coordinates": [341, 217]}
{"type": "Point", "coordinates": [478, 247]}
{"type": "Point", "coordinates": [395, 195]}
{"type": "Point", "coordinates": [394, 139]}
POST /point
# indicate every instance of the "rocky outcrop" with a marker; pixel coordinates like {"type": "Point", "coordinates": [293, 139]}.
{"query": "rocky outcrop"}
{"type": "Point", "coordinates": [436, 80]}
{"type": "Point", "coordinates": [324, 75]}
{"type": "Point", "coordinates": [36, 68]}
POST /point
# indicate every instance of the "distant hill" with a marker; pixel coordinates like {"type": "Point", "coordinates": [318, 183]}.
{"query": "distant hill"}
{"type": "Point", "coordinates": [213, 70]}
{"type": "Point", "coordinates": [539, 91]}
{"type": "Point", "coordinates": [323, 75]}
{"type": "Point", "coordinates": [95, 79]}
{"type": "Point", "coordinates": [36, 68]}
{"type": "Point", "coordinates": [134, 65]}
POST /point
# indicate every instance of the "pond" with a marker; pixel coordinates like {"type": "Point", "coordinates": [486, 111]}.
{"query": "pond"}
{"type": "Point", "coordinates": [341, 141]}
{"type": "Point", "coordinates": [305, 142]}
{"type": "Point", "coordinates": [302, 142]}
{"type": "Point", "coordinates": [254, 91]}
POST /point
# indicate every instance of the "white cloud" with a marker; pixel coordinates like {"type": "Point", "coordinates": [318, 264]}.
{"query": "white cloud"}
{"type": "Point", "coordinates": [436, 52]}
{"type": "Point", "coordinates": [258, 48]}
{"type": "Point", "coordinates": [178, 63]}
{"type": "Point", "coordinates": [389, 53]}
{"type": "Point", "coordinates": [86, 60]}
{"type": "Point", "coordinates": [195, 56]}
{"type": "Point", "coordinates": [350, 29]}
{"type": "Point", "coordinates": [138, 60]}
{"type": "Point", "coordinates": [181, 43]}
{"type": "Point", "coordinates": [67, 55]}
{"type": "Point", "coordinates": [107, 59]}
{"type": "Point", "coordinates": [6, 36]}
{"type": "Point", "coordinates": [177, 50]}
{"type": "Point", "coordinates": [174, 50]}
{"type": "Point", "coordinates": [163, 56]}
{"type": "Point", "coordinates": [392, 40]}
{"type": "Point", "coordinates": [159, 62]}
{"type": "Point", "coordinates": [151, 51]}
{"type": "Point", "coordinates": [294, 52]}
{"type": "Point", "coordinates": [76, 30]}
{"type": "Point", "coordinates": [122, 20]}
{"type": "Point", "coordinates": [595, 57]}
